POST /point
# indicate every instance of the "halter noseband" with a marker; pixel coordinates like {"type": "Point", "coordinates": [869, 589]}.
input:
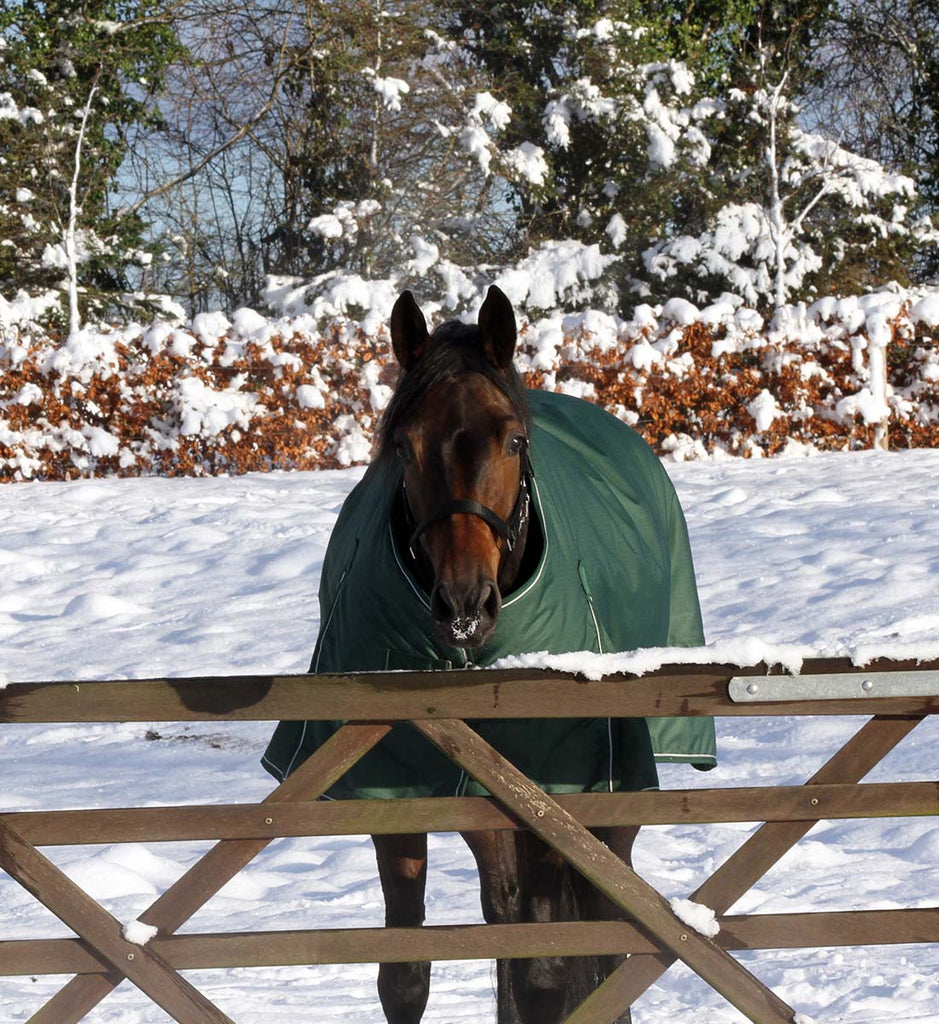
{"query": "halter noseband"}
{"type": "Point", "coordinates": [508, 530]}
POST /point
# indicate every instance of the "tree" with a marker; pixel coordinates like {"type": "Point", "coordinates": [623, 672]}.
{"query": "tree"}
{"type": "Point", "coordinates": [818, 218]}
{"type": "Point", "coordinates": [397, 125]}
{"type": "Point", "coordinates": [605, 120]}
{"type": "Point", "coordinates": [878, 89]}
{"type": "Point", "coordinates": [361, 125]}
{"type": "Point", "coordinates": [83, 76]}
{"type": "Point", "coordinates": [628, 110]}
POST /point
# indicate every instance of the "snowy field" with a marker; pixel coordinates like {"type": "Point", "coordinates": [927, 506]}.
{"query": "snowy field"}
{"type": "Point", "coordinates": [135, 578]}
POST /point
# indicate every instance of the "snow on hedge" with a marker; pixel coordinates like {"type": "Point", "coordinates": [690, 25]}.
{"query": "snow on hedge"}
{"type": "Point", "coordinates": [306, 389]}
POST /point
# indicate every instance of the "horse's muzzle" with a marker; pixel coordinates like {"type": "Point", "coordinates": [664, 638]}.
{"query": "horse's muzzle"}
{"type": "Point", "coordinates": [465, 614]}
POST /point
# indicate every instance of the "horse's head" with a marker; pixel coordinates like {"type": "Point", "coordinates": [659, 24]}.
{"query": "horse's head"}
{"type": "Point", "coordinates": [459, 423]}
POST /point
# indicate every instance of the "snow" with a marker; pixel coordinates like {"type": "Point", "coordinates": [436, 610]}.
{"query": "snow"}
{"type": "Point", "coordinates": [9, 110]}
{"type": "Point", "coordinates": [248, 323]}
{"type": "Point", "coordinates": [25, 308]}
{"type": "Point", "coordinates": [697, 916]}
{"type": "Point", "coordinates": [602, 30]}
{"type": "Point", "coordinates": [204, 410]}
{"type": "Point", "coordinates": [153, 577]}
{"type": "Point", "coordinates": [310, 397]}
{"type": "Point", "coordinates": [869, 406]}
{"type": "Point", "coordinates": [616, 229]}
{"type": "Point", "coordinates": [682, 78]}
{"type": "Point", "coordinates": [528, 162]}
{"type": "Point", "coordinates": [742, 652]}
{"type": "Point", "coordinates": [391, 90]}
{"type": "Point", "coordinates": [557, 122]}
{"type": "Point", "coordinates": [353, 445]}
{"type": "Point", "coordinates": [661, 147]}
{"type": "Point", "coordinates": [333, 294]}
{"type": "Point", "coordinates": [764, 410]}
{"type": "Point", "coordinates": [552, 272]}
{"type": "Point", "coordinates": [209, 327]}
{"type": "Point", "coordinates": [927, 310]}
{"type": "Point", "coordinates": [101, 444]}
{"type": "Point", "coordinates": [498, 112]}
{"type": "Point", "coordinates": [139, 933]}
{"type": "Point", "coordinates": [426, 254]}
{"type": "Point", "coordinates": [28, 394]}
{"type": "Point", "coordinates": [681, 311]}
{"type": "Point", "coordinates": [475, 140]}
{"type": "Point", "coordinates": [327, 225]}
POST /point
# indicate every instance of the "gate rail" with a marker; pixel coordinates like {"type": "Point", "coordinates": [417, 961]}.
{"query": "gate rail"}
{"type": "Point", "coordinates": [897, 694]}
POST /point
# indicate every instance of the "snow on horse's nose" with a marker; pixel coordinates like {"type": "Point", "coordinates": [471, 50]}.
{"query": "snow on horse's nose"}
{"type": "Point", "coordinates": [465, 613]}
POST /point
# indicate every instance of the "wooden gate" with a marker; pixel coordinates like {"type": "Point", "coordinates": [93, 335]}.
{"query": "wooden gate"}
{"type": "Point", "coordinates": [897, 695]}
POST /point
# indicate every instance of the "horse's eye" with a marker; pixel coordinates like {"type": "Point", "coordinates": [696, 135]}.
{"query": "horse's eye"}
{"type": "Point", "coordinates": [403, 451]}
{"type": "Point", "coordinates": [517, 444]}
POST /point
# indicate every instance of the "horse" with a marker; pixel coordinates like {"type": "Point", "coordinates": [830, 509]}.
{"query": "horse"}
{"type": "Point", "coordinates": [463, 542]}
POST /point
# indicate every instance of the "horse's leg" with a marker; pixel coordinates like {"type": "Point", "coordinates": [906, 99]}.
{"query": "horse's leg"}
{"type": "Point", "coordinates": [599, 907]}
{"type": "Point", "coordinates": [499, 892]}
{"type": "Point", "coordinates": [541, 985]}
{"type": "Point", "coordinates": [402, 868]}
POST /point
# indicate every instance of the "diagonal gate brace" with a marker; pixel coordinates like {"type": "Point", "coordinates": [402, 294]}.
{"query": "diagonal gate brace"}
{"type": "Point", "coordinates": [222, 862]}
{"type": "Point", "coordinates": [860, 755]}
{"type": "Point", "coordinates": [52, 887]}
{"type": "Point", "coordinates": [547, 819]}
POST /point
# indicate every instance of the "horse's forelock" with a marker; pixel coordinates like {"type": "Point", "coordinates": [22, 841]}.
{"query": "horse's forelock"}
{"type": "Point", "coordinates": [452, 354]}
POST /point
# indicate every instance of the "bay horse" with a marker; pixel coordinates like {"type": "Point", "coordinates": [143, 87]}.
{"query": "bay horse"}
{"type": "Point", "coordinates": [463, 444]}
{"type": "Point", "coordinates": [493, 521]}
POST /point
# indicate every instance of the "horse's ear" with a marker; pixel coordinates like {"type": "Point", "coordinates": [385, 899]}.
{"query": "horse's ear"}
{"type": "Point", "coordinates": [497, 333]}
{"type": "Point", "coordinates": [408, 331]}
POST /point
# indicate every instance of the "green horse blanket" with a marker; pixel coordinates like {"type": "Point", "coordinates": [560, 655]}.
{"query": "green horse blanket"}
{"type": "Point", "coordinates": [615, 574]}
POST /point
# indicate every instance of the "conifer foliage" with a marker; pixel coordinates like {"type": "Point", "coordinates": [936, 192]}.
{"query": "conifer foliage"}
{"type": "Point", "coordinates": [78, 81]}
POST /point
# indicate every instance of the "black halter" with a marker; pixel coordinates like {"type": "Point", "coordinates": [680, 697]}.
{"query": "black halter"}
{"type": "Point", "coordinates": [508, 530]}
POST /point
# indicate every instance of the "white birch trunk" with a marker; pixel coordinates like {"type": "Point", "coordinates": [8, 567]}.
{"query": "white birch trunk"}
{"type": "Point", "coordinates": [376, 122]}
{"type": "Point", "coordinates": [71, 250]}
{"type": "Point", "coordinates": [777, 216]}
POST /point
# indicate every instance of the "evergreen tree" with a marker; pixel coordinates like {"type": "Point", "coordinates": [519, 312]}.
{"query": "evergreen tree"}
{"type": "Point", "coordinates": [803, 215]}
{"type": "Point", "coordinates": [606, 107]}
{"type": "Point", "coordinates": [81, 78]}
{"type": "Point", "coordinates": [672, 135]}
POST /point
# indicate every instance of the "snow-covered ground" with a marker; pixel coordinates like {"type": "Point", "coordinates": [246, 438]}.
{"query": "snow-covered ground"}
{"type": "Point", "coordinates": [148, 577]}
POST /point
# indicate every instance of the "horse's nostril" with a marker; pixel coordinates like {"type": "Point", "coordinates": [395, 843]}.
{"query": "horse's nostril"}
{"type": "Point", "coordinates": [491, 600]}
{"type": "Point", "coordinates": [441, 603]}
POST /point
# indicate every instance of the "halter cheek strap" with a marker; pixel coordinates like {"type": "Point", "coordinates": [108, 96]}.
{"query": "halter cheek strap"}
{"type": "Point", "coordinates": [508, 530]}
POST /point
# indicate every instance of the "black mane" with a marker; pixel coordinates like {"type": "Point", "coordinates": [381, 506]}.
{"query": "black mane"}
{"type": "Point", "coordinates": [453, 351]}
